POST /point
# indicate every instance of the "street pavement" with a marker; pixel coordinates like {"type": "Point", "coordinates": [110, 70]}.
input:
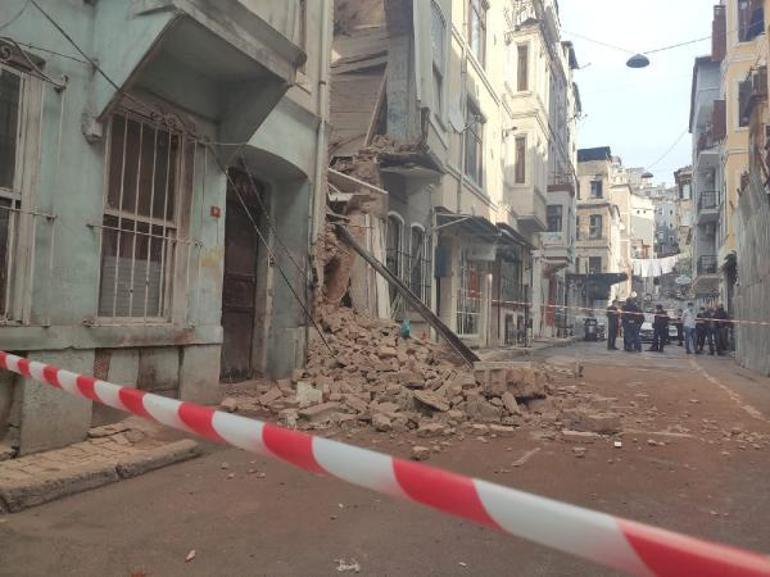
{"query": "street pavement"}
{"type": "Point", "coordinates": [695, 439]}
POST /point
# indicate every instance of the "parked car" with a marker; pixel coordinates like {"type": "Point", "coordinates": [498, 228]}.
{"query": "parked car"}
{"type": "Point", "coordinates": [647, 332]}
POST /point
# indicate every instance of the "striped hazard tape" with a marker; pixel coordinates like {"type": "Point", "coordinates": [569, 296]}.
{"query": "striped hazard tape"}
{"type": "Point", "coordinates": [630, 547]}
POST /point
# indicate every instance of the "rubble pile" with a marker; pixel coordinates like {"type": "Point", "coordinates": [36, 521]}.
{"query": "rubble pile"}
{"type": "Point", "coordinates": [389, 383]}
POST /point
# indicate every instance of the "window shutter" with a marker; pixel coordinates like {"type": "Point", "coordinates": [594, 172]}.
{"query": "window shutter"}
{"type": "Point", "coordinates": [719, 120]}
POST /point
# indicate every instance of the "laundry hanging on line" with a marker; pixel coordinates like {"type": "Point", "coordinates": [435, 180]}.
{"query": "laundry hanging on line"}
{"type": "Point", "coordinates": [654, 267]}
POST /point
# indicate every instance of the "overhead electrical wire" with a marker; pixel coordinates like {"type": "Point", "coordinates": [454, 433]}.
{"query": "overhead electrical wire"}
{"type": "Point", "coordinates": [668, 150]}
{"type": "Point", "coordinates": [16, 16]}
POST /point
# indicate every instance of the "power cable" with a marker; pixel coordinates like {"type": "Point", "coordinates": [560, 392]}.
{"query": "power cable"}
{"type": "Point", "coordinates": [679, 45]}
{"type": "Point", "coordinates": [53, 52]}
{"type": "Point", "coordinates": [268, 219]}
{"type": "Point", "coordinates": [16, 16]}
{"type": "Point", "coordinates": [270, 252]}
{"type": "Point", "coordinates": [668, 150]}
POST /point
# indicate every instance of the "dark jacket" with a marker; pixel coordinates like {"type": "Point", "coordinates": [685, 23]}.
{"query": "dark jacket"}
{"type": "Point", "coordinates": [632, 314]}
{"type": "Point", "coordinates": [661, 320]}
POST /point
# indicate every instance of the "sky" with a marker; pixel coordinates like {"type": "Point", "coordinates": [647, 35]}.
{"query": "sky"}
{"type": "Point", "coordinates": [639, 113]}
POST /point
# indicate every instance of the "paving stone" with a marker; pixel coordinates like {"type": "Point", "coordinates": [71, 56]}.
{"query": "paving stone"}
{"type": "Point", "coordinates": [140, 463]}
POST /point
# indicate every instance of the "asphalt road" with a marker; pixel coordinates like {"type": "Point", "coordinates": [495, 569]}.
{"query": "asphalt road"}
{"type": "Point", "coordinates": [252, 517]}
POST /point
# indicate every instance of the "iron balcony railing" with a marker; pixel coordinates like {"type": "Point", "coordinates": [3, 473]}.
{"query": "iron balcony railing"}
{"type": "Point", "coordinates": [707, 264]}
{"type": "Point", "coordinates": [707, 200]}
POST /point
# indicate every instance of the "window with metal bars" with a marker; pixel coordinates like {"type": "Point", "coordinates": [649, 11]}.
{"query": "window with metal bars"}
{"type": "Point", "coordinates": [11, 89]}
{"type": "Point", "coordinates": [420, 264]}
{"type": "Point", "coordinates": [396, 258]}
{"type": "Point", "coordinates": [468, 297]}
{"type": "Point", "coordinates": [139, 229]}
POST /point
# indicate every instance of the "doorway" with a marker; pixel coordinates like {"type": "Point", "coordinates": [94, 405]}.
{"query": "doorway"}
{"type": "Point", "coordinates": [239, 291]}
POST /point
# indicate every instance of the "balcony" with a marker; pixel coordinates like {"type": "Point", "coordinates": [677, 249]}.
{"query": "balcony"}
{"type": "Point", "coordinates": [556, 249]}
{"type": "Point", "coordinates": [708, 265]}
{"type": "Point", "coordinates": [708, 210]}
{"type": "Point", "coordinates": [706, 282]}
{"type": "Point", "coordinates": [529, 204]}
{"type": "Point", "coordinates": [223, 60]}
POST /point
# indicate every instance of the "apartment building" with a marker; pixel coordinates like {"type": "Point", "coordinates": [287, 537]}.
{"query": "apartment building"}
{"type": "Point", "coordinates": [601, 261]}
{"type": "Point", "coordinates": [752, 220]}
{"type": "Point", "coordinates": [708, 129]}
{"type": "Point", "coordinates": [148, 162]}
{"type": "Point", "coordinates": [738, 42]}
{"type": "Point", "coordinates": [545, 107]}
{"type": "Point", "coordinates": [441, 108]}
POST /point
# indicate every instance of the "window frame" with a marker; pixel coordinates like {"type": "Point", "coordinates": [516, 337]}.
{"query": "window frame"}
{"type": "Point", "coordinates": [591, 261]}
{"type": "Point", "coordinates": [478, 8]}
{"type": "Point", "coordinates": [520, 159]}
{"type": "Point", "coordinates": [474, 119]}
{"type": "Point", "coordinates": [422, 262]}
{"type": "Point", "coordinates": [23, 220]}
{"type": "Point", "coordinates": [522, 80]}
{"type": "Point", "coordinates": [398, 254]}
{"type": "Point", "coordinates": [468, 301]}
{"type": "Point", "coordinates": [439, 59]}
{"type": "Point", "coordinates": [600, 188]}
{"type": "Point", "coordinates": [593, 227]}
{"type": "Point", "coordinates": [172, 234]}
{"type": "Point", "coordinates": [553, 218]}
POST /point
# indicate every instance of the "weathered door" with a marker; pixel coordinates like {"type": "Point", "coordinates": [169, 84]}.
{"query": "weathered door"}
{"type": "Point", "coordinates": [239, 291]}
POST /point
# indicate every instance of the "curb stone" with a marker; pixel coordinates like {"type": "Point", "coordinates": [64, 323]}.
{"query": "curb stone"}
{"type": "Point", "coordinates": [17, 495]}
{"type": "Point", "coordinates": [134, 466]}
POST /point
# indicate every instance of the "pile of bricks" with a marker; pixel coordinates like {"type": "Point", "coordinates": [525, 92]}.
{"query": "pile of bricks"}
{"type": "Point", "coordinates": [377, 378]}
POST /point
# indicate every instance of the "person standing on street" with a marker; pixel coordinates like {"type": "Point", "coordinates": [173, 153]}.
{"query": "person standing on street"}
{"type": "Point", "coordinates": [660, 329]}
{"type": "Point", "coordinates": [689, 324]}
{"type": "Point", "coordinates": [632, 322]}
{"type": "Point", "coordinates": [721, 329]}
{"type": "Point", "coordinates": [700, 331]}
{"type": "Point", "coordinates": [710, 330]}
{"type": "Point", "coordinates": [679, 327]}
{"type": "Point", "coordinates": [613, 319]}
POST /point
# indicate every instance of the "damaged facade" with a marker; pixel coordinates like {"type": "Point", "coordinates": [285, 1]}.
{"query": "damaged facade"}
{"type": "Point", "coordinates": [442, 111]}
{"type": "Point", "coordinates": [141, 163]}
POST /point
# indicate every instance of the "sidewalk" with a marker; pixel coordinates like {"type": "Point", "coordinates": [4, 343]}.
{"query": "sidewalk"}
{"type": "Point", "coordinates": [111, 453]}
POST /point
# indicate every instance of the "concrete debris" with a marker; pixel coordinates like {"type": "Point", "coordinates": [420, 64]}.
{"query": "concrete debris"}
{"type": "Point", "coordinates": [420, 453]}
{"type": "Point", "coordinates": [526, 457]}
{"type": "Point", "coordinates": [430, 430]}
{"type": "Point", "coordinates": [432, 400]}
{"type": "Point", "coordinates": [579, 452]}
{"type": "Point", "coordinates": [308, 395]}
{"type": "Point", "coordinates": [108, 430]}
{"type": "Point", "coordinates": [348, 566]}
{"type": "Point", "coordinates": [271, 396]}
{"type": "Point", "coordinates": [382, 423]}
{"type": "Point", "coordinates": [585, 421]}
{"type": "Point", "coordinates": [229, 404]}
{"type": "Point", "coordinates": [319, 413]}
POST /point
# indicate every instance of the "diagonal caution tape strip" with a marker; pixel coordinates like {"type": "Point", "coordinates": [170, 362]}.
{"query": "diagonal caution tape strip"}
{"type": "Point", "coordinates": [634, 548]}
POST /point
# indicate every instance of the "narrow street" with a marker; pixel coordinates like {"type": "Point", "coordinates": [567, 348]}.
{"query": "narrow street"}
{"type": "Point", "coordinates": [694, 452]}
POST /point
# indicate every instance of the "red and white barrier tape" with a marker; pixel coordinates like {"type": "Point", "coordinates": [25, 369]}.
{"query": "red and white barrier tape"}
{"type": "Point", "coordinates": [631, 547]}
{"type": "Point", "coordinates": [601, 312]}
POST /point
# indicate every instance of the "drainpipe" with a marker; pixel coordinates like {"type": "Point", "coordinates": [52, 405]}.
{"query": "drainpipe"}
{"type": "Point", "coordinates": [318, 194]}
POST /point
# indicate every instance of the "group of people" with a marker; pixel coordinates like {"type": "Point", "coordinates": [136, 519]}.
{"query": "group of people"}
{"type": "Point", "coordinates": [629, 319]}
{"type": "Point", "coordinates": [710, 325]}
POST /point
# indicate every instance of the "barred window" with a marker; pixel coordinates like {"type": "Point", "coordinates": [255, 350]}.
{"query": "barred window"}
{"type": "Point", "coordinates": [420, 264]}
{"type": "Point", "coordinates": [139, 229]}
{"type": "Point", "coordinates": [11, 86]}
{"type": "Point", "coordinates": [468, 298]}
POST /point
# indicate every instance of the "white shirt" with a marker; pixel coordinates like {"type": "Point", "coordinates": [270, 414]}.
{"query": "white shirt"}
{"type": "Point", "coordinates": [688, 319]}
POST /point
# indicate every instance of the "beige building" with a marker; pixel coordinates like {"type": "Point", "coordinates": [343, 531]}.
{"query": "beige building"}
{"type": "Point", "coordinates": [545, 104]}
{"type": "Point", "coordinates": [738, 42]}
{"type": "Point", "coordinates": [601, 263]}
{"type": "Point", "coordinates": [443, 108]}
